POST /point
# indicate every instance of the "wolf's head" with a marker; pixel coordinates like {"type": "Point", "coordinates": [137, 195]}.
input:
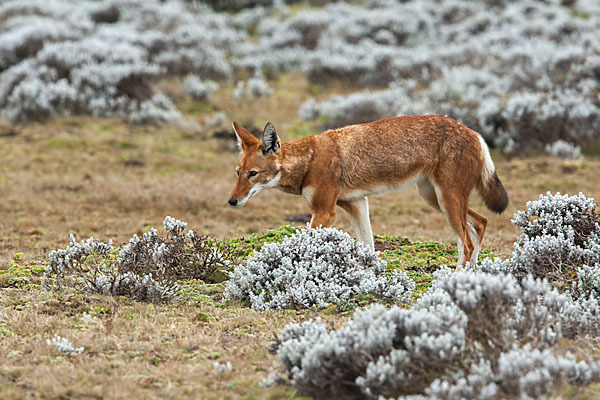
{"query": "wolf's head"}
{"type": "Point", "coordinates": [258, 167]}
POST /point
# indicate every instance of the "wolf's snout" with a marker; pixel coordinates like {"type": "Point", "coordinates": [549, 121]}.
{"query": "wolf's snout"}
{"type": "Point", "coordinates": [233, 202]}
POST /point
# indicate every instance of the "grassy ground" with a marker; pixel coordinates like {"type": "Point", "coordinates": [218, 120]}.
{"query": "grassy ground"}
{"type": "Point", "coordinates": [101, 178]}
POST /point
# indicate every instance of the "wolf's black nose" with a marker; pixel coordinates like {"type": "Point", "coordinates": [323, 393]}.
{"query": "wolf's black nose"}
{"type": "Point", "coordinates": [232, 202]}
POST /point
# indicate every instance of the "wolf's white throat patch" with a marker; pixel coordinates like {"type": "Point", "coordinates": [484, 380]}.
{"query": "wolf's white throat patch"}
{"type": "Point", "coordinates": [259, 187]}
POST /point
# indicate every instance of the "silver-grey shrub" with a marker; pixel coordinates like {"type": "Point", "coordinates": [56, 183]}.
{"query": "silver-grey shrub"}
{"type": "Point", "coordinates": [560, 242]}
{"type": "Point", "coordinates": [90, 75]}
{"type": "Point", "coordinates": [198, 88]}
{"type": "Point", "coordinates": [502, 323]}
{"type": "Point", "coordinates": [362, 107]}
{"type": "Point", "coordinates": [315, 268]}
{"type": "Point", "coordinates": [29, 36]}
{"type": "Point", "coordinates": [526, 373]}
{"type": "Point", "coordinates": [179, 255]}
{"type": "Point", "coordinates": [473, 335]}
{"type": "Point", "coordinates": [89, 266]}
{"type": "Point", "coordinates": [102, 58]}
{"type": "Point", "coordinates": [63, 345]}
{"type": "Point", "coordinates": [562, 149]}
{"type": "Point", "coordinates": [258, 87]}
{"type": "Point", "coordinates": [147, 268]}
{"type": "Point", "coordinates": [553, 214]}
{"type": "Point", "coordinates": [377, 352]}
{"type": "Point", "coordinates": [581, 317]}
{"type": "Point", "coordinates": [559, 235]}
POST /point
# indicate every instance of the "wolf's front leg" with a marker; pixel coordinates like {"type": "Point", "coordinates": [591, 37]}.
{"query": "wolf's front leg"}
{"type": "Point", "coordinates": [322, 204]}
{"type": "Point", "coordinates": [323, 219]}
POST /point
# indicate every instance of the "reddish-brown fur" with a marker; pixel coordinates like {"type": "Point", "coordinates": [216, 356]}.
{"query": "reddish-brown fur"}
{"type": "Point", "coordinates": [443, 157]}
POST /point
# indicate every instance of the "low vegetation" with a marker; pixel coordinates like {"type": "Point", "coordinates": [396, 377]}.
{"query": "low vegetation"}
{"type": "Point", "coordinates": [481, 327]}
{"type": "Point", "coordinates": [145, 268]}
{"type": "Point", "coordinates": [489, 333]}
{"type": "Point", "coordinates": [316, 268]}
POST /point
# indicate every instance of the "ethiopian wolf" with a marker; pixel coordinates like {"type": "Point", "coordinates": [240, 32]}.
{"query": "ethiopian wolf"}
{"type": "Point", "coordinates": [342, 167]}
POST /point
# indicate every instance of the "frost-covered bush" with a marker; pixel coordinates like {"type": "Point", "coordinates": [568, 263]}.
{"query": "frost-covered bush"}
{"type": "Point", "coordinates": [199, 89]}
{"type": "Point", "coordinates": [258, 87]}
{"type": "Point", "coordinates": [562, 149]}
{"type": "Point", "coordinates": [473, 335]}
{"type": "Point", "coordinates": [485, 334]}
{"type": "Point", "coordinates": [315, 268]}
{"type": "Point", "coordinates": [559, 235]}
{"type": "Point", "coordinates": [182, 256]}
{"type": "Point", "coordinates": [101, 58]}
{"type": "Point", "coordinates": [28, 35]}
{"type": "Point", "coordinates": [222, 368]}
{"type": "Point", "coordinates": [254, 87]}
{"type": "Point", "coordinates": [145, 268]}
{"type": "Point", "coordinates": [357, 108]}
{"type": "Point", "coordinates": [483, 349]}
{"type": "Point", "coordinates": [89, 266]}
{"type": "Point", "coordinates": [64, 345]}
{"type": "Point", "coordinates": [238, 92]}
{"type": "Point", "coordinates": [560, 242]}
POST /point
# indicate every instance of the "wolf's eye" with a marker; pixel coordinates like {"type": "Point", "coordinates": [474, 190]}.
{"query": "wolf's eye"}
{"type": "Point", "coordinates": [252, 173]}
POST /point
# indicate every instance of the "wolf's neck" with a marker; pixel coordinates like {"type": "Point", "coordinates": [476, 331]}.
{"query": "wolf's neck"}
{"type": "Point", "coordinates": [295, 160]}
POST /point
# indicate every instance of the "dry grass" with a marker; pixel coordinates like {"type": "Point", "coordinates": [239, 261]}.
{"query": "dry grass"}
{"type": "Point", "coordinates": [134, 350]}
{"type": "Point", "coordinates": [101, 178]}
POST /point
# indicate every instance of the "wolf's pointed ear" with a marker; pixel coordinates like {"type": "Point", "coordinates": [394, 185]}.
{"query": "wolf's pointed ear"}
{"type": "Point", "coordinates": [245, 138]}
{"type": "Point", "coordinates": [270, 141]}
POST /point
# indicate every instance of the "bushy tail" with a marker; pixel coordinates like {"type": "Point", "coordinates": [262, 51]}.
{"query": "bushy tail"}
{"type": "Point", "coordinates": [490, 188]}
{"type": "Point", "coordinates": [493, 194]}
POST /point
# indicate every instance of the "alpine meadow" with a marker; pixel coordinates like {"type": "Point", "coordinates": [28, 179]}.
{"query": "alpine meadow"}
{"type": "Point", "coordinates": [126, 273]}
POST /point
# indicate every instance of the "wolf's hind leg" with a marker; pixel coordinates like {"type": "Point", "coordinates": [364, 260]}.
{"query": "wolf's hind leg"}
{"type": "Point", "coordinates": [477, 224]}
